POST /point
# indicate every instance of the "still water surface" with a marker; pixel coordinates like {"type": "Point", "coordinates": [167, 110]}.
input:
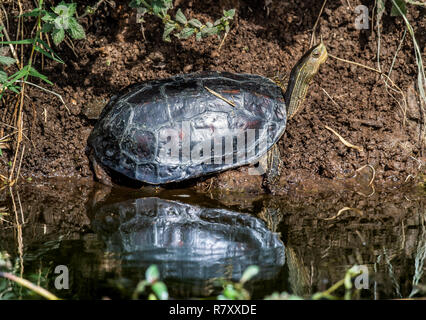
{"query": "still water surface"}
{"type": "Point", "coordinates": [108, 238]}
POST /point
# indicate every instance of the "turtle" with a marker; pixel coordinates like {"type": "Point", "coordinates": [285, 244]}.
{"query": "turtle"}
{"type": "Point", "coordinates": [191, 125]}
{"type": "Point", "coordinates": [187, 241]}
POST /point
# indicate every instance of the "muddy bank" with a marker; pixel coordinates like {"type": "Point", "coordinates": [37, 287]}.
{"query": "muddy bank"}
{"type": "Point", "coordinates": [263, 40]}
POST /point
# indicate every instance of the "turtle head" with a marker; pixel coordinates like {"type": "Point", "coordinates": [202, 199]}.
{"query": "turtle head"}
{"type": "Point", "coordinates": [301, 76]}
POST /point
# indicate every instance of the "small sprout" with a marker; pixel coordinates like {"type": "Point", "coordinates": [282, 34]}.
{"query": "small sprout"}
{"type": "Point", "coordinates": [160, 290]}
{"type": "Point", "coordinates": [230, 292]}
{"type": "Point", "coordinates": [181, 27]}
{"type": "Point", "coordinates": [249, 273]}
{"type": "Point", "coordinates": [59, 20]}
{"type": "Point", "coordinates": [152, 274]}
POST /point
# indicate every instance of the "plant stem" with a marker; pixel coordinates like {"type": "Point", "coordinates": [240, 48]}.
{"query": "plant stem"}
{"type": "Point", "coordinates": [27, 284]}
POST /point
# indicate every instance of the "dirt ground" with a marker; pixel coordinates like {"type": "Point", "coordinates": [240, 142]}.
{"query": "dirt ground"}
{"type": "Point", "coordinates": [352, 100]}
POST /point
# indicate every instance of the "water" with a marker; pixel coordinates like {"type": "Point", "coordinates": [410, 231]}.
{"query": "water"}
{"type": "Point", "coordinates": [108, 238]}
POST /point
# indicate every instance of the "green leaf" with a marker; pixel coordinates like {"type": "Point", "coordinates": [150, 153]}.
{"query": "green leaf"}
{"type": "Point", "coordinates": [134, 4]}
{"type": "Point", "coordinates": [249, 273]}
{"type": "Point", "coordinates": [33, 72]}
{"type": "Point", "coordinates": [47, 54]}
{"type": "Point", "coordinates": [195, 23]}
{"type": "Point", "coordinates": [76, 30]}
{"type": "Point", "coordinates": [7, 60]}
{"type": "Point", "coordinates": [402, 8]}
{"type": "Point", "coordinates": [186, 33]}
{"type": "Point", "coordinates": [161, 6]}
{"type": "Point", "coordinates": [160, 290]}
{"type": "Point", "coordinates": [58, 36]}
{"type": "Point", "coordinates": [180, 17]}
{"type": "Point", "coordinates": [140, 288]}
{"type": "Point", "coordinates": [24, 41]}
{"type": "Point", "coordinates": [49, 17]}
{"type": "Point", "coordinates": [168, 28]}
{"type": "Point", "coordinates": [51, 55]}
{"type": "Point", "coordinates": [231, 293]}
{"type": "Point", "coordinates": [14, 89]}
{"type": "Point", "coordinates": [34, 13]}
{"type": "Point", "coordinates": [229, 13]}
{"type": "Point", "coordinates": [209, 24]}
{"type": "Point", "coordinates": [65, 9]}
{"type": "Point", "coordinates": [152, 274]}
{"type": "Point", "coordinates": [152, 296]}
{"type": "Point", "coordinates": [217, 22]}
{"type": "Point", "coordinates": [3, 76]}
{"type": "Point", "coordinates": [72, 8]}
{"type": "Point", "coordinates": [19, 74]}
{"type": "Point", "coordinates": [198, 36]}
{"type": "Point", "coordinates": [47, 27]}
{"type": "Point", "coordinates": [208, 31]}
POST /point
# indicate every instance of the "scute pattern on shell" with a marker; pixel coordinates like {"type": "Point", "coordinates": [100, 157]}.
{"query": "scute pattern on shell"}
{"type": "Point", "coordinates": [133, 133]}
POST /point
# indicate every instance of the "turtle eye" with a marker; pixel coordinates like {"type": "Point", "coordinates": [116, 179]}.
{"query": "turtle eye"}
{"type": "Point", "coordinates": [316, 53]}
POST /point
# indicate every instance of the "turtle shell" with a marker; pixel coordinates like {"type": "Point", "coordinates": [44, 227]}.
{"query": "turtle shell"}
{"type": "Point", "coordinates": [187, 242]}
{"type": "Point", "coordinates": [189, 125]}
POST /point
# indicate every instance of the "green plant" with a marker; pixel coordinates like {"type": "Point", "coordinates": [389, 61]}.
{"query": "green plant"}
{"type": "Point", "coordinates": [4, 60]}
{"type": "Point", "coordinates": [11, 285]}
{"type": "Point", "coordinates": [181, 27]}
{"type": "Point", "coordinates": [399, 8]}
{"type": "Point", "coordinates": [158, 288]}
{"type": "Point", "coordinates": [236, 291]}
{"type": "Point", "coordinates": [58, 20]}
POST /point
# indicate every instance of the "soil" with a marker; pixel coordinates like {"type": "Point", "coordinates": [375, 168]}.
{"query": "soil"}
{"type": "Point", "coordinates": [352, 100]}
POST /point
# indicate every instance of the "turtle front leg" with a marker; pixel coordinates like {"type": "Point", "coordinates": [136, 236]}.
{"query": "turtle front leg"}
{"type": "Point", "coordinates": [272, 165]}
{"type": "Point", "coordinates": [100, 174]}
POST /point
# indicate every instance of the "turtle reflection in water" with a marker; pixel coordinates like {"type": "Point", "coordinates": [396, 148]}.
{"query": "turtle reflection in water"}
{"type": "Point", "coordinates": [189, 243]}
{"type": "Point", "coordinates": [171, 130]}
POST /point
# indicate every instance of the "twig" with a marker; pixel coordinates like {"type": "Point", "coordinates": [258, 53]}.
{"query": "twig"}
{"type": "Point", "coordinates": [397, 89]}
{"type": "Point", "coordinates": [332, 100]}
{"type": "Point", "coordinates": [220, 96]}
{"type": "Point", "coordinates": [49, 91]}
{"type": "Point", "coordinates": [223, 40]}
{"type": "Point", "coordinates": [372, 169]}
{"type": "Point", "coordinates": [343, 210]}
{"type": "Point", "coordinates": [19, 168]}
{"type": "Point", "coordinates": [316, 23]}
{"type": "Point", "coordinates": [416, 3]}
{"type": "Point", "coordinates": [8, 38]}
{"type": "Point", "coordinates": [365, 67]}
{"type": "Point", "coordinates": [27, 284]}
{"type": "Point", "coordinates": [346, 143]}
